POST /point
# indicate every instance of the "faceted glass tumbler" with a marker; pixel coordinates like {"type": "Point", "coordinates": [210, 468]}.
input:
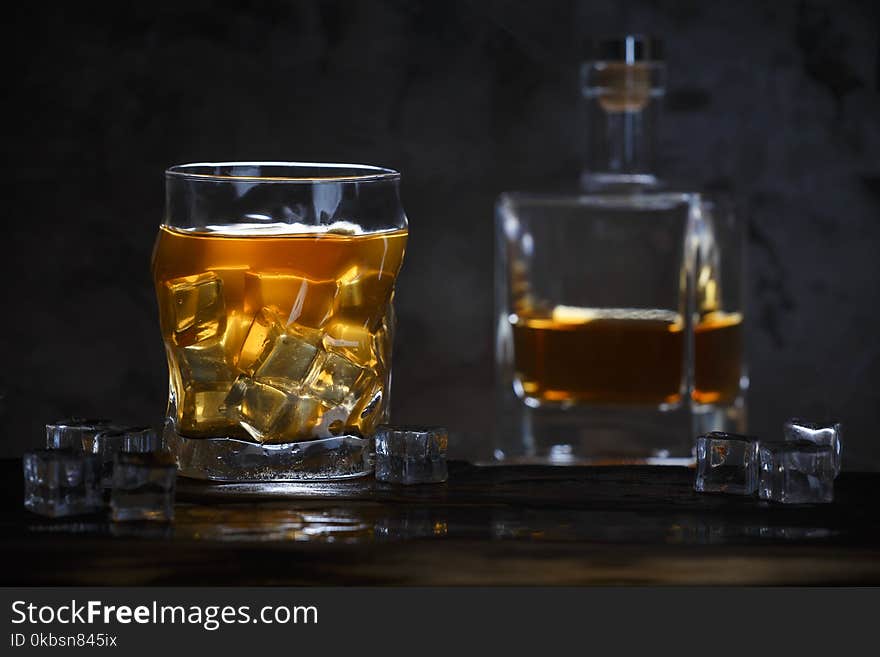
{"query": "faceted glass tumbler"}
{"type": "Point", "coordinates": [726, 463]}
{"type": "Point", "coordinates": [275, 283]}
{"type": "Point", "coordinates": [796, 472]}
{"type": "Point", "coordinates": [61, 482]}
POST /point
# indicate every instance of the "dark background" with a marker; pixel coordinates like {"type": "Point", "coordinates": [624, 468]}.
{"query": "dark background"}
{"type": "Point", "coordinates": [776, 102]}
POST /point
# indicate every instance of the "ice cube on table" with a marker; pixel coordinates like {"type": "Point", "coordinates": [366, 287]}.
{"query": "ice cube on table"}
{"type": "Point", "coordinates": [143, 487]}
{"type": "Point", "coordinates": [270, 414]}
{"type": "Point", "coordinates": [61, 482]}
{"type": "Point", "coordinates": [726, 463]}
{"type": "Point", "coordinates": [830, 434]}
{"type": "Point", "coordinates": [107, 444]}
{"type": "Point", "coordinates": [334, 378]}
{"type": "Point", "coordinates": [290, 359]}
{"type": "Point", "coordinates": [259, 340]}
{"type": "Point", "coordinates": [796, 472]}
{"type": "Point", "coordinates": [197, 309]}
{"type": "Point", "coordinates": [295, 298]}
{"type": "Point", "coordinates": [411, 455]}
{"type": "Point", "coordinates": [71, 432]}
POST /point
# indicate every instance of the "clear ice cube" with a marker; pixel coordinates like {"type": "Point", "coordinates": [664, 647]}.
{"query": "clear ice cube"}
{"type": "Point", "coordinates": [726, 463]}
{"type": "Point", "coordinates": [259, 340]}
{"type": "Point", "coordinates": [361, 297]}
{"type": "Point", "coordinates": [259, 407]}
{"type": "Point", "coordinates": [143, 487]}
{"type": "Point", "coordinates": [830, 434]}
{"type": "Point", "coordinates": [352, 341]}
{"type": "Point", "coordinates": [411, 455]}
{"type": "Point", "coordinates": [71, 432]}
{"type": "Point", "coordinates": [295, 298]}
{"type": "Point", "coordinates": [334, 377]}
{"type": "Point", "coordinates": [60, 482]}
{"type": "Point", "coordinates": [233, 285]}
{"type": "Point", "coordinates": [197, 311]}
{"type": "Point", "coordinates": [289, 359]}
{"type": "Point", "coordinates": [270, 414]}
{"type": "Point", "coordinates": [299, 420]}
{"type": "Point", "coordinates": [107, 444]}
{"type": "Point", "coordinates": [796, 472]}
{"type": "Point", "coordinates": [237, 326]}
{"type": "Point", "coordinates": [204, 376]}
{"type": "Point", "coordinates": [203, 410]}
{"type": "Point", "coordinates": [205, 362]}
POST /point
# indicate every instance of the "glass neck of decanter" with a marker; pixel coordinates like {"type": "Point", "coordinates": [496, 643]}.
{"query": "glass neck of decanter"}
{"type": "Point", "coordinates": [623, 104]}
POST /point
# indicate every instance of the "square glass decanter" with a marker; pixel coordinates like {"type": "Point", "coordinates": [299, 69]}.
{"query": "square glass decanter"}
{"type": "Point", "coordinates": [619, 306]}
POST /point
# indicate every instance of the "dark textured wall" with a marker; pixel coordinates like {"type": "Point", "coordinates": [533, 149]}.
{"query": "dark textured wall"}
{"type": "Point", "coordinates": [775, 101]}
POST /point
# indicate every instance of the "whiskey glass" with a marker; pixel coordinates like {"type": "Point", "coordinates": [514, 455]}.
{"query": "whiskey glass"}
{"type": "Point", "coordinates": [275, 285]}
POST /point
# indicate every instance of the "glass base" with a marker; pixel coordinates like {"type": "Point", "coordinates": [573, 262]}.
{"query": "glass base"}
{"type": "Point", "coordinates": [711, 417]}
{"type": "Point", "coordinates": [610, 436]}
{"type": "Point", "coordinates": [229, 459]}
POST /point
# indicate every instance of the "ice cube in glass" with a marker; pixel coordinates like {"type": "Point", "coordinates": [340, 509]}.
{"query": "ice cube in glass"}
{"type": "Point", "coordinates": [289, 359]}
{"type": "Point", "coordinates": [198, 310]}
{"type": "Point", "coordinates": [295, 298]}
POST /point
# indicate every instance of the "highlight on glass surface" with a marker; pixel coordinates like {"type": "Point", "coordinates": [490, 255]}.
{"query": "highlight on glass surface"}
{"type": "Point", "coordinates": [275, 284]}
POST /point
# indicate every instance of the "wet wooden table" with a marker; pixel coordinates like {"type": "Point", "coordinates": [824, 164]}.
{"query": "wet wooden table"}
{"type": "Point", "coordinates": [502, 525]}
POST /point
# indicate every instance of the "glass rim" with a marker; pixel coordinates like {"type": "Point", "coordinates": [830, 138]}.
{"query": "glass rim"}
{"type": "Point", "coordinates": [607, 200]}
{"type": "Point", "coordinates": [335, 172]}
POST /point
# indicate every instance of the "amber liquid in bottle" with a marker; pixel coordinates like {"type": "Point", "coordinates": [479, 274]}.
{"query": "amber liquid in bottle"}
{"type": "Point", "coordinates": [624, 357]}
{"type": "Point", "coordinates": [277, 337]}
